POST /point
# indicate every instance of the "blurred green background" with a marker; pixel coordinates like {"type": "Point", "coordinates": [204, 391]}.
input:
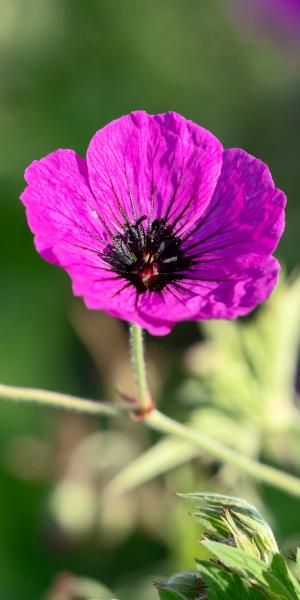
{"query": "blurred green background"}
{"type": "Point", "coordinates": [67, 68]}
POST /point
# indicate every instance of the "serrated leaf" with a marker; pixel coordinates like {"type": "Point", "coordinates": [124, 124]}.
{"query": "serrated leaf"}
{"type": "Point", "coordinates": [187, 583]}
{"type": "Point", "coordinates": [236, 558]}
{"type": "Point", "coordinates": [218, 502]}
{"type": "Point", "coordinates": [280, 568]}
{"type": "Point", "coordinates": [249, 369]}
{"type": "Point", "coordinates": [168, 594]}
{"type": "Point", "coordinates": [264, 536]}
{"type": "Point", "coordinates": [245, 541]}
{"type": "Point", "coordinates": [249, 566]}
{"type": "Point", "coordinates": [235, 519]}
{"type": "Point", "coordinates": [222, 584]}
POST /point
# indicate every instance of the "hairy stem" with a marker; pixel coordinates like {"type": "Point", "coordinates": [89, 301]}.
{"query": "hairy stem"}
{"type": "Point", "coordinates": [57, 400]}
{"type": "Point", "coordinates": [156, 420]}
{"type": "Point", "coordinates": [259, 471]}
{"type": "Point", "coordinates": [139, 368]}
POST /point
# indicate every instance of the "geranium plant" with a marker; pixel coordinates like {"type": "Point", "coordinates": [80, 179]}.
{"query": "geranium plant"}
{"type": "Point", "coordinates": [160, 224]}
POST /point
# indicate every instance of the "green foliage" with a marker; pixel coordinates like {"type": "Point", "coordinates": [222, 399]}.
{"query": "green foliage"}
{"type": "Point", "coordinates": [298, 562]}
{"type": "Point", "coordinates": [235, 521]}
{"type": "Point", "coordinates": [188, 585]}
{"type": "Point", "coordinates": [247, 370]}
{"type": "Point", "coordinates": [69, 67]}
{"type": "Point", "coordinates": [243, 563]}
{"type": "Point", "coordinates": [241, 388]}
{"type": "Point", "coordinates": [169, 594]}
{"type": "Point", "coordinates": [223, 584]}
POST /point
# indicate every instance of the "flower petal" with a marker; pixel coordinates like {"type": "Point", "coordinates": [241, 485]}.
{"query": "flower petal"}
{"type": "Point", "coordinates": [225, 300]}
{"type": "Point", "coordinates": [245, 218]}
{"type": "Point", "coordinates": [158, 166]}
{"type": "Point", "coordinates": [60, 206]}
{"type": "Point", "coordinates": [241, 294]}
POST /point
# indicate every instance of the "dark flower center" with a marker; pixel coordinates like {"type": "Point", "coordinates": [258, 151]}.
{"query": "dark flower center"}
{"type": "Point", "coordinates": [149, 259]}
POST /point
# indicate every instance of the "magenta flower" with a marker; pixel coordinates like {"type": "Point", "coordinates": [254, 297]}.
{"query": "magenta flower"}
{"type": "Point", "coordinates": [285, 12]}
{"type": "Point", "coordinates": [279, 18]}
{"type": "Point", "coordinates": [159, 224]}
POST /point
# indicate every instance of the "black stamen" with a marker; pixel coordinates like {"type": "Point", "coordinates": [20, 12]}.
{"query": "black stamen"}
{"type": "Point", "coordinates": [149, 259]}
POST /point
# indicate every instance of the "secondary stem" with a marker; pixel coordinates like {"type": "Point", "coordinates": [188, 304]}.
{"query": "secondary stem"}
{"type": "Point", "coordinates": [259, 471]}
{"type": "Point", "coordinates": [162, 423]}
{"type": "Point", "coordinates": [57, 400]}
{"type": "Point", "coordinates": [156, 420]}
{"type": "Point", "coordinates": [139, 368]}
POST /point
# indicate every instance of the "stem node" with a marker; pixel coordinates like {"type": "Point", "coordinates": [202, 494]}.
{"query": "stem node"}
{"type": "Point", "coordinates": [139, 413]}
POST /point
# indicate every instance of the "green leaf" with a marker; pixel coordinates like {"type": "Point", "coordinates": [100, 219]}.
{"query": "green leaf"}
{"type": "Point", "coordinates": [218, 502]}
{"type": "Point", "coordinates": [248, 370]}
{"type": "Point", "coordinates": [235, 519]}
{"type": "Point", "coordinates": [224, 585]}
{"type": "Point", "coordinates": [238, 559]}
{"type": "Point", "coordinates": [187, 583]}
{"type": "Point", "coordinates": [168, 594]}
{"type": "Point", "coordinates": [261, 532]}
{"type": "Point", "coordinates": [246, 540]}
{"type": "Point", "coordinates": [280, 568]}
{"type": "Point", "coordinates": [249, 566]}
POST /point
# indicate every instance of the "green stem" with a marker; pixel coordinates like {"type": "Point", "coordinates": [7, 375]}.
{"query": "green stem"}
{"type": "Point", "coordinates": [164, 424]}
{"type": "Point", "coordinates": [139, 369]}
{"type": "Point", "coordinates": [161, 423]}
{"type": "Point", "coordinates": [259, 471]}
{"type": "Point", "coordinates": [57, 400]}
